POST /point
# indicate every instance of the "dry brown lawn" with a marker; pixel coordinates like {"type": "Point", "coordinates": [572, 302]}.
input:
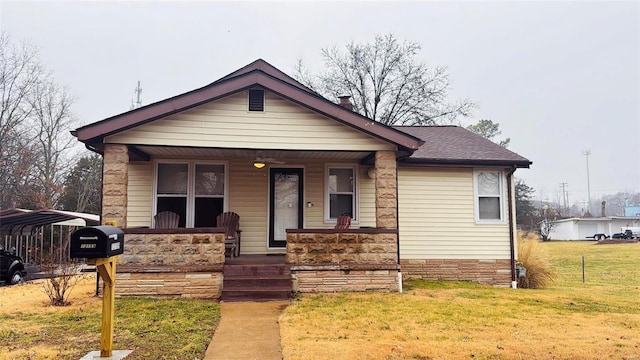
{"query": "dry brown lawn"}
{"type": "Point", "coordinates": [29, 298]}
{"type": "Point", "coordinates": [439, 320]}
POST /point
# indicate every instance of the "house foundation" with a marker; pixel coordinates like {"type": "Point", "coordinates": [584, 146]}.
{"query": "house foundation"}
{"type": "Point", "coordinates": [492, 272]}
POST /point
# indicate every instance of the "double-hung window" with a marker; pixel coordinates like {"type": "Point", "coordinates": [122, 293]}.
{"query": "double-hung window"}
{"type": "Point", "coordinates": [341, 192]}
{"type": "Point", "coordinates": [193, 190]}
{"type": "Point", "coordinates": [489, 199]}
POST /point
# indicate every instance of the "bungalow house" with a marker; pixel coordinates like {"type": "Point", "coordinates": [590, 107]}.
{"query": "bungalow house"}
{"type": "Point", "coordinates": [425, 202]}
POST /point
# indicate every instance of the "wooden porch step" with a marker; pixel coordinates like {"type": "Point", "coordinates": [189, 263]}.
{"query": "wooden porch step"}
{"type": "Point", "coordinates": [256, 282]}
{"type": "Point", "coordinates": [256, 270]}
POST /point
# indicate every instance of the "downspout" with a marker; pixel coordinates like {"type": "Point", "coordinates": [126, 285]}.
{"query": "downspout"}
{"type": "Point", "coordinates": [398, 230]}
{"type": "Point", "coordinates": [514, 282]}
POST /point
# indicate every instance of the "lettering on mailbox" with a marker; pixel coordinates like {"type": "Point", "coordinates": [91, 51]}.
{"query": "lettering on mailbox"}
{"type": "Point", "coordinates": [88, 246]}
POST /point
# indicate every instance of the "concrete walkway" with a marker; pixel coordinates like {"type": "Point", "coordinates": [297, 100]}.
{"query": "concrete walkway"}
{"type": "Point", "coordinates": [247, 330]}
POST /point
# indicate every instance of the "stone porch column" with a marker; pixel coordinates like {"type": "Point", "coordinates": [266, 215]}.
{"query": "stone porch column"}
{"type": "Point", "coordinates": [114, 185]}
{"type": "Point", "coordinates": [386, 186]}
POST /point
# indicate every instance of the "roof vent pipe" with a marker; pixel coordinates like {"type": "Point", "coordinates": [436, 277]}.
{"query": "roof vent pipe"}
{"type": "Point", "coordinates": [345, 102]}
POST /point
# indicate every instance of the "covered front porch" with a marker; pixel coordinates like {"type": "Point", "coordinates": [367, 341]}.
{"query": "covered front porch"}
{"type": "Point", "coordinates": [286, 208]}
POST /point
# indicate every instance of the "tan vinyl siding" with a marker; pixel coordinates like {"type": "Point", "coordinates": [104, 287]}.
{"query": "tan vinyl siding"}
{"type": "Point", "coordinates": [437, 219]}
{"type": "Point", "coordinates": [226, 123]}
{"type": "Point", "coordinates": [248, 196]}
{"type": "Point", "coordinates": [140, 194]}
{"type": "Point", "coordinates": [366, 198]}
{"type": "Point", "coordinates": [314, 193]}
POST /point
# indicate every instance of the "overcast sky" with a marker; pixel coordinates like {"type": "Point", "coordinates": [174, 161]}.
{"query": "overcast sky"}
{"type": "Point", "coordinates": [559, 77]}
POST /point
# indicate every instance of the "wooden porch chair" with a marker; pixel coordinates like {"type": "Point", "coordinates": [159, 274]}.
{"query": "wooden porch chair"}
{"type": "Point", "coordinates": [230, 221]}
{"type": "Point", "coordinates": [343, 222]}
{"type": "Point", "coordinates": [167, 220]}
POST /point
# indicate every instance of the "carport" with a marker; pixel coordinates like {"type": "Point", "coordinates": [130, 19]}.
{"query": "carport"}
{"type": "Point", "coordinates": [26, 230]}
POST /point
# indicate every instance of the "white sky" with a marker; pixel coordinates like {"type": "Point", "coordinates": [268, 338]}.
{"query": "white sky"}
{"type": "Point", "coordinates": [559, 77]}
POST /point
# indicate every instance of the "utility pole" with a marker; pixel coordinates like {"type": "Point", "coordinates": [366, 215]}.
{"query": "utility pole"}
{"type": "Point", "coordinates": [586, 153]}
{"type": "Point", "coordinates": [564, 198]}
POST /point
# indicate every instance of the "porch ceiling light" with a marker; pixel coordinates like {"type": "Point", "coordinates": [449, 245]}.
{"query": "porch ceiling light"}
{"type": "Point", "coordinates": [259, 164]}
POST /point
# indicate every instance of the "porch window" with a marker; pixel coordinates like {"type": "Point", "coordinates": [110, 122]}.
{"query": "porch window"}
{"type": "Point", "coordinates": [193, 190]}
{"type": "Point", "coordinates": [489, 196]}
{"type": "Point", "coordinates": [340, 192]}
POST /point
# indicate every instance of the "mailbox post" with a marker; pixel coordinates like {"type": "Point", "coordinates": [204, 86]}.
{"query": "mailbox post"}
{"type": "Point", "coordinates": [101, 245]}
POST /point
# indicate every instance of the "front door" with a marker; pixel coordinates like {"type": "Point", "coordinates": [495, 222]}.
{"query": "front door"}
{"type": "Point", "coordinates": [285, 204]}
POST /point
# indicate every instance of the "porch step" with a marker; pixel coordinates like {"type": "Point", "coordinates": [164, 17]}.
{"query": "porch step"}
{"type": "Point", "coordinates": [256, 282]}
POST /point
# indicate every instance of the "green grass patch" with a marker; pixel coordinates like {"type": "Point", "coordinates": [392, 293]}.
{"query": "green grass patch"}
{"type": "Point", "coordinates": [153, 328]}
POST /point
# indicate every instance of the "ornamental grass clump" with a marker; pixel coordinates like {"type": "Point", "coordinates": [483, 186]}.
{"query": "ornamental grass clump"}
{"type": "Point", "coordinates": [534, 258]}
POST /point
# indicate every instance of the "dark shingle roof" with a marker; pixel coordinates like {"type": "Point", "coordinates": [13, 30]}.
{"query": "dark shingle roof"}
{"type": "Point", "coordinates": [458, 146]}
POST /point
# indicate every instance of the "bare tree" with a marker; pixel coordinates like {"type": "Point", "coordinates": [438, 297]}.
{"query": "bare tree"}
{"type": "Point", "coordinates": [35, 119]}
{"type": "Point", "coordinates": [20, 72]}
{"type": "Point", "coordinates": [386, 82]}
{"type": "Point", "coordinates": [51, 113]}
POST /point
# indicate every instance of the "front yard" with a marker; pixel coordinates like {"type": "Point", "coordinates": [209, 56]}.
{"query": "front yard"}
{"type": "Point", "coordinates": [599, 319]}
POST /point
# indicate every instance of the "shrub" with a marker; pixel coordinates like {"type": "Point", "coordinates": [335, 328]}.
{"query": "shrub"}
{"type": "Point", "coordinates": [533, 256]}
{"type": "Point", "coordinates": [62, 275]}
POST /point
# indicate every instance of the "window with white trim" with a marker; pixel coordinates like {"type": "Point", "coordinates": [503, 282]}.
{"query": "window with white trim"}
{"type": "Point", "coordinates": [340, 192]}
{"type": "Point", "coordinates": [193, 190]}
{"type": "Point", "coordinates": [489, 196]}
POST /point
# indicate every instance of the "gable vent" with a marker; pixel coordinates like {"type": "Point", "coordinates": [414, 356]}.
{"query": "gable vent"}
{"type": "Point", "coordinates": [256, 100]}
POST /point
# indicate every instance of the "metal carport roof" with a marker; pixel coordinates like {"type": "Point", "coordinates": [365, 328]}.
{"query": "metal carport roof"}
{"type": "Point", "coordinates": [17, 220]}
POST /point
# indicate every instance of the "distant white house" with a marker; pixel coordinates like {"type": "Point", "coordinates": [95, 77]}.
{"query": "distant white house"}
{"type": "Point", "coordinates": [582, 228]}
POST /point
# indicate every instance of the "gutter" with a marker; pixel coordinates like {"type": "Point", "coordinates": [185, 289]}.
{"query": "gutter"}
{"type": "Point", "coordinates": [514, 282]}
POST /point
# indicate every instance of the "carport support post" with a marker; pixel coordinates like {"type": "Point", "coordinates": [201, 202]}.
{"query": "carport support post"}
{"type": "Point", "coordinates": [107, 269]}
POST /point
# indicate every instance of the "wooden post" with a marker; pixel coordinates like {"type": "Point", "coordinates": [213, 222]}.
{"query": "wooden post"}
{"type": "Point", "coordinates": [107, 269]}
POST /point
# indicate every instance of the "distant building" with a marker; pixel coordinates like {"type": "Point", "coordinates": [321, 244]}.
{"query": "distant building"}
{"type": "Point", "coordinates": [582, 228]}
{"type": "Point", "coordinates": [632, 210]}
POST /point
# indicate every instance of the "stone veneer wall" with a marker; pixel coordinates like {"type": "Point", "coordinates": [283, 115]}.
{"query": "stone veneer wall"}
{"type": "Point", "coordinates": [343, 260]}
{"type": "Point", "coordinates": [171, 262]}
{"type": "Point", "coordinates": [114, 185]}
{"type": "Point", "coordinates": [493, 272]}
{"type": "Point", "coordinates": [386, 190]}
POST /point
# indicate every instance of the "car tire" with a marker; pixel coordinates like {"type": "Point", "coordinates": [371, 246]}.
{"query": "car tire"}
{"type": "Point", "coordinates": [16, 278]}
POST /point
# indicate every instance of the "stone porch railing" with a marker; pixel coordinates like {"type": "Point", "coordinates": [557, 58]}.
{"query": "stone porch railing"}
{"type": "Point", "coordinates": [185, 262]}
{"type": "Point", "coordinates": [328, 260]}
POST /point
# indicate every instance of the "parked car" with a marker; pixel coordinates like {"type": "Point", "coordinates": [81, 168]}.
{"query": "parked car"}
{"type": "Point", "coordinates": [627, 234]}
{"type": "Point", "coordinates": [11, 267]}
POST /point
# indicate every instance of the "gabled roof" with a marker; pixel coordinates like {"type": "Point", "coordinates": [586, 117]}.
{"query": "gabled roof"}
{"type": "Point", "coordinates": [257, 74]}
{"type": "Point", "coordinates": [454, 145]}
